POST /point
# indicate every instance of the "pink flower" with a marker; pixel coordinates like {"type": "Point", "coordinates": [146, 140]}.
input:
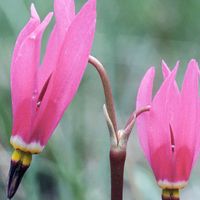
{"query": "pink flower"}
{"type": "Point", "coordinates": [41, 93]}
{"type": "Point", "coordinates": [169, 132]}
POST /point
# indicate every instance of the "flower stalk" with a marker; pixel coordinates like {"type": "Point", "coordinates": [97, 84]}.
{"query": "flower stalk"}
{"type": "Point", "coordinates": [107, 89]}
{"type": "Point", "coordinates": [118, 138]}
{"type": "Point", "coordinates": [117, 161]}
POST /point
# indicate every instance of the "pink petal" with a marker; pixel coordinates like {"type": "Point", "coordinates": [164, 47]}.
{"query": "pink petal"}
{"type": "Point", "coordinates": [165, 69]}
{"type": "Point", "coordinates": [175, 169]}
{"type": "Point", "coordinates": [166, 72]}
{"type": "Point", "coordinates": [34, 13]}
{"type": "Point", "coordinates": [68, 74]}
{"type": "Point", "coordinates": [64, 13]}
{"type": "Point", "coordinates": [38, 32]}
{"type": "Point", "coordinates": [23, 79]}
{"type": "Point", "coordinates": [30, 26]}
{"type": "Point", "coordinates": [197, 142]}
{"type": "Point", "coordinates": [144, 98]}
{"type": "Point", "coordinates": [162, 163]}
{"type": "Point", "coordinates": [159, 136]}
{"type": "Point", "coordinates": [162, 113]}
{"type": "Point", "coordinates": [187, 125]}
{"type": "Point", "coordinates": [183, 164]}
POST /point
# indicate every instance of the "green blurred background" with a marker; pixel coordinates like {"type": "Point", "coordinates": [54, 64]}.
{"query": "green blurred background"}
{"type": "Point", "coordinates": [131, 36]}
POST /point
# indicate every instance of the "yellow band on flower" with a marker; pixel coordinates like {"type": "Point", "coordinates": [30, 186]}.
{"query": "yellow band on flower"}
{"type": "Point", "coordinates": [170, 193]}
{"type": "Point", "coordinates": [23, 157]}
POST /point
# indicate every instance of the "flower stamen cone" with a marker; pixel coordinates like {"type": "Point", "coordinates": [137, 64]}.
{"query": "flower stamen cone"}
{"type": "Point", "coordinates": [20, 162]}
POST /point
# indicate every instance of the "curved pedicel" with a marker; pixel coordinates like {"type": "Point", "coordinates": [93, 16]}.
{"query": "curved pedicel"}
{"type": "Point", "coordinates": [118, 138]}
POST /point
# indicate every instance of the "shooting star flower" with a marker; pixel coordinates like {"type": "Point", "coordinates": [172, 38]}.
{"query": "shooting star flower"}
{"type": "Point", "coordinates": [41, 94]}
{"type": "Point", "coordinates": [169, 132]}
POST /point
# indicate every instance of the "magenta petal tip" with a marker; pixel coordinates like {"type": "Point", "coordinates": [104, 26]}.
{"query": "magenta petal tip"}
{"type": "Point", "coordinates": [34, 13]}
{"type": "Point", "coordinates": [42, 26]}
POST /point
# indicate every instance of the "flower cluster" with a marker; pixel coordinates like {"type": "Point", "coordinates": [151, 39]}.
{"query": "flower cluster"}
{"type": "Point", "coordinates": [168, 124]}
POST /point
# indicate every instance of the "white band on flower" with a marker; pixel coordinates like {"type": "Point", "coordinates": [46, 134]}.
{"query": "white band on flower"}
{"type": "Point", "coordinates": [165, 184]}
{"type": "Point", "coordinates": [33, 147]}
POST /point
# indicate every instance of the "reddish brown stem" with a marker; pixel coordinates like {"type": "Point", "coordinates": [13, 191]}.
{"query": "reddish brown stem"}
{"type": "Point", "coordinates": [117, 161]}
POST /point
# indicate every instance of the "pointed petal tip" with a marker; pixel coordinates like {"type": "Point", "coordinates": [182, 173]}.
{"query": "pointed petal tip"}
{"type": "Point", "coordinates": [91, 5]}
{"type": "Point", "coordinates": [164, 65]}
{"type": "Point", "coordinates": [174, 71]}
{"type": "Point", "coordinates": [144, 95]}
{"type": "Point", "coordinates": [193, 64]}
{"type": "Point", "coordinates": [192, 60]}
{"type": "Point", "coordinates": [42, 26]}
{"type": "Point", "coordinates": [49, 16]}
{"type": "Point", "coordinates": [178, 62]}
{"type": "Point", "coordinates": [151, 70]}
{"type": "Point", "coordinates": [165, 69]}
{"type": "Point", "coordinates": [34, 13]}
{"type": "Point", "coordinates": [163, 62]}
{"type": "Point", "coordinates": [149, 74]}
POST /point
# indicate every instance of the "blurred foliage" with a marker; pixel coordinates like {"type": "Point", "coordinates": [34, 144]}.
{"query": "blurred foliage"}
{"type": "Point", "coordinates": [131, 36]}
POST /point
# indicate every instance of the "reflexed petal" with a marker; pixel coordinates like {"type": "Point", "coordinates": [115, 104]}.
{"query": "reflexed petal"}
{"type": "Point", "coordinates": [23, 79]}
{"type": "Point", "coordinates": [64, 13]}
{"type": "Point", "coordinates": [162, 112]}
{"type": "Point", "coordinates": [68, 74]}
{"type": "Point", "coordinates": [30, 27]}
{"type": "Point", "coordinates": [34, 13]}
{"type": "Point", "coordinates": [165, 69]}
{"type": "Point", "coordinates": [144, 98]}
{"type": "Point", "coordinates": [187, 122]}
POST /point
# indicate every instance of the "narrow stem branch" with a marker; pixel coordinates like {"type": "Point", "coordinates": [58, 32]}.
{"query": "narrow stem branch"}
{"type": "Point", "coordinates": [143, 109]}
{"type": "Point", "coordinates": [136, 113]}
{"type": "Point", "coordinates": [117, 161]}
{"type": "Point", "coordinates": [107, 90]}
{"type": "Point", "coordinates": [130, 123]}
